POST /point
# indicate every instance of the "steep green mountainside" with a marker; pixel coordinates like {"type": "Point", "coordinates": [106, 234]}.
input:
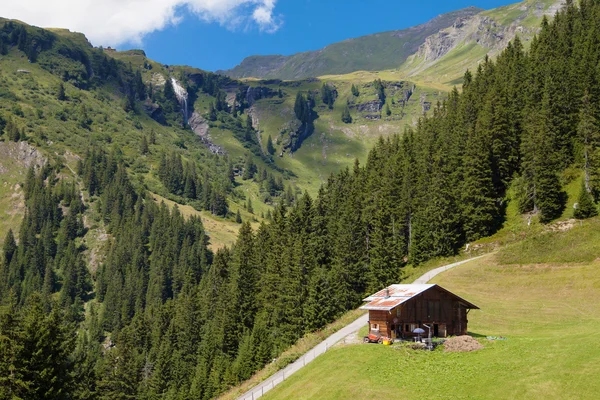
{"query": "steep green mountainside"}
{"type": "Point", "coordinates": [60, 97]}
{"type": "Point", "coordinates": [122, 99]}
{"type": "Point", "coordinates": [375, 52]}
{"type": "Point", "coordinates": [438, 51]}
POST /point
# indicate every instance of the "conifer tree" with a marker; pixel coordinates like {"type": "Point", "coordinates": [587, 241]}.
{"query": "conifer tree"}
{"type": "Point", "coordinates": [144, 145]}
{"type": "Point", "coordinates": [539, 164]}
{"type": "Point", "coordinates": [60, 95]}
{"type": "Point", "coordinates": [346, 117]}
{"type": "Point", "coordinates": [249, 168]}
{"type": "Point", "coordinates": [270, 148]}
{"type": "Point", "coordinates": [388, 111]}
{"type": "Point", "coordinates": [212, 113]}
{"type": "Point", "coordinates": [585, 204]}
{"type": "Point", "coordinates": [9, 247]}
{"type": "Point", "coordinates": [589, 137]}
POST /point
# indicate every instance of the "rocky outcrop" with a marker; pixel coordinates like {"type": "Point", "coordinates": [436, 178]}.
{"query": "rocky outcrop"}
{"type": "Point", "coordinates": [253, 94]}
{"type": "Point", "coordinates": [295, 138]}
{"type": "Point", "coordinates": [373, 106]}
{"type": "Point", "coordinates": [24, 154]}
{"type": "Point", "coordinates": [201, 128]}
{"type": "Point", "coordinates": [482, 30]}
{"type": "Point", "coordinates": [154, 111]}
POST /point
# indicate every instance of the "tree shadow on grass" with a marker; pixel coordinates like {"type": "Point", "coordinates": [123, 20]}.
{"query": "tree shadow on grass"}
{"type": "Point", "coordinates": [476, 335]}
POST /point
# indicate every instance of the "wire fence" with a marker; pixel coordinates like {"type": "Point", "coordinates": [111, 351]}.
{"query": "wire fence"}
{"type": "Point", "coordinates": [281, 376]}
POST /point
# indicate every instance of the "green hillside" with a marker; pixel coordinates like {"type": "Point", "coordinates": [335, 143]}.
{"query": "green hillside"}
{"type": "Point", "coordinates": [546, 310]}
{"type": "Point", "coordinates": [99, 107]}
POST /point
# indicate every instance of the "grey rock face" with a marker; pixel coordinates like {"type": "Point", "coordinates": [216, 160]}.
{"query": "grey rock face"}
{"type": "Point", "coordinates": [201, 128]}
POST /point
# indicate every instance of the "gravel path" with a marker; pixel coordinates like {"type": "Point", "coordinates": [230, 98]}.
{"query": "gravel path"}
{"type": "Point", "coordinates": [322, 347]}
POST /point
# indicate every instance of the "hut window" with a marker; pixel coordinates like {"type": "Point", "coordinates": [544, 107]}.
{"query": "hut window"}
{"type": "Point", "coordinates": [374, 327]}
{"type": "Point", "coordinates": [398, 312]}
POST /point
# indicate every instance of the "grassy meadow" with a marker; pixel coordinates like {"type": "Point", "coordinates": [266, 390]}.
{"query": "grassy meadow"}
{"type": "Point", "coordinates": [542, 294]}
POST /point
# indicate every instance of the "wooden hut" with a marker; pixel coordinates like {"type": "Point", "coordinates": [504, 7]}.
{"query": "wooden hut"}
{"type": "Point", "coordinates": [398, 310]}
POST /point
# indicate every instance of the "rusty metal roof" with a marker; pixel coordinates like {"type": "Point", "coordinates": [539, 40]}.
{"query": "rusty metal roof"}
{"type": "Point", "coordinates": [394, 295]}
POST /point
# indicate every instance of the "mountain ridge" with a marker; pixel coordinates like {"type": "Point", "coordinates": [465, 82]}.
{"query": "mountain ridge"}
{"type": "Point", "coordinates": [324, 61]}
{"type": "Point", "coordinates": [457, 41]}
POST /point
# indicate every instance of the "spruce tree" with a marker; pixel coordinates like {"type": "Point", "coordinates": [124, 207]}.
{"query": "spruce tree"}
{"type": "Point", "coordinates": [346, 117]}
{"type": "Point", "coordinates": [585, 204]}
{"type": "Point", "coordinates": [9, 247]}
{"type": "Point", "coordinates": [144, 145]}
{"type": "Point", "coordinates": [270, 148]}
{"type": "Point", "coordinates": [588, 134]}
{"type": "Point", "coordinates": [60, 95]}
{"type": "Point", "coordinates": [212, 113]}
{"type": "Point", "coordinates": [540, 165]}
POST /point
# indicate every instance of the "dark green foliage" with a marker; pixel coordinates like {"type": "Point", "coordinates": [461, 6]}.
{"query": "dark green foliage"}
{"type": "Point", "coordinates": [270, 148]}
{"type": "Point", "coordinates": [346, 117]}
{"type": "Point", "coordinates": [35, 349]}
{"type": "Point", "coordinates": [354, 91]}
{"type": "Point", "coordinates": [3, 47]}
{"type": "Point", "coordinates": [328, 95]}
{"type": "Point", "coordinates": [585, 204]}
{"type": "Point", "coordinates": [138, 85]}
{"type": "Point", "coordinates": [144, 145]}
{"type": "Point", "coordinates": [387, 110]}
{"type": "Point", "coordinates": [60, 92]}
{"type": "Point", "coordinates": [303, 108]}
{"type": "Point", "coordinates": [588, 135]}
{"type": "Point", "coordinates": [12, 130]}
{"type": "Point", "coordinates": [249, 168]}
{"type": "Point", "coordinates": [212, 112]}
{"type": "Point", "coordinates": [9, 247]}
{"type": "Point", "coordinates": [379, 90]}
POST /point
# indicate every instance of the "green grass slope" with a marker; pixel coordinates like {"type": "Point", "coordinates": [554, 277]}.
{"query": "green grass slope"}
{"type": "Point", "coordinates": [543, 295]}
{"type": "Point", "coordinates": [333, 145]}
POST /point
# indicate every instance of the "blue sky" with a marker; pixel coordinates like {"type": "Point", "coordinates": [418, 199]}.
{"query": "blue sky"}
{"type": "Point", "coordinates": [218, 34]}
{"type": "Point", "coordinates": [307, 25]}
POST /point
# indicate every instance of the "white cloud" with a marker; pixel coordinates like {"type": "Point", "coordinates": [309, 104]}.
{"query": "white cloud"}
{"type": "Point", "coordinates": [113, 22]}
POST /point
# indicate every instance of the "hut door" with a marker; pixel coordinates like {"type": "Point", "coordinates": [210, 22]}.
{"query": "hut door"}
{"type": "Point", "coordinates": [436, 330]}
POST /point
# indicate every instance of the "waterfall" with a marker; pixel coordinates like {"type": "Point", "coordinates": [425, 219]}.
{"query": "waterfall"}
{"type": "Point", "coordinates": [182, 97]}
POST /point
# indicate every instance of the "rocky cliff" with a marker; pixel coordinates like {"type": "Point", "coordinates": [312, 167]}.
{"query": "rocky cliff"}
{"type": "Point", "coordinates": [490, 31]}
